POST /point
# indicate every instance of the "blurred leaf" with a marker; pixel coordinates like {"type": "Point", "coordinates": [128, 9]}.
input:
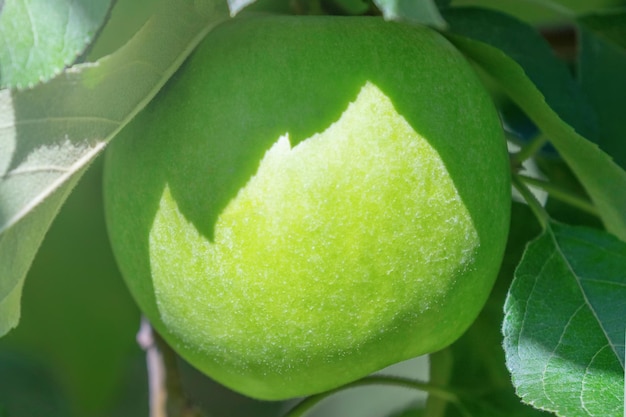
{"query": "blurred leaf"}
{"type": "Point", "coordinates": [543, 13]}
{"type": "Point", "coordinates": [413, 411]}
{"type": "Point", "coordinates": [27, 388]}
{"type": "Point", "coordinates": [424, 11]}
{"type": "Point", "coordinates": [353, 7]}
{"type": "Point", "coordinates": [522, 43]}
{"type": "Point", "coordinates": [126, 18]}
{"type": "Point", "coordinates": [18, 246]}
{"type": "Point", "coordinates": [51, 133]}
{"type": "Point", "coordinates": [559, 173]}
{"type": "Point", "coordinates": [564, 325]}
{"type": "Point", "coordinates": [602, 75]}
{"type": "Point", "coordinates": [603, 180]}
{"type": "Point", "coordinates": [609, 25]}
{"type": "Point", "coordinates": [78, 317]}
{"type": "Point", "coordinates": [442, 4]}
{"type": "Point", "coordinates": [39, 38]}
{"type": "Point", "coordinates": [476, 362]}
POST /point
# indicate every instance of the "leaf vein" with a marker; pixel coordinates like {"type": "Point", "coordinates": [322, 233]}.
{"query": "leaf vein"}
{"type": "Point", "coordinates": [574, 275]}
{"type": "Point", "coordinates": [553, 353]}
{"type": "Point", "coordinates": [60, 180]}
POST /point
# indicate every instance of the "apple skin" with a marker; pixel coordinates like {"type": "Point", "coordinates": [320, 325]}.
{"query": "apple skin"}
{"type": "Point", "coordinates": [371, 232]}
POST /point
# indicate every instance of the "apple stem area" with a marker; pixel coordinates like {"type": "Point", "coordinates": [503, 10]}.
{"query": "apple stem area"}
{"type": "Point", "coordinates": [167, 396]}
{"type": "Point", "coordinates": [303, 407]}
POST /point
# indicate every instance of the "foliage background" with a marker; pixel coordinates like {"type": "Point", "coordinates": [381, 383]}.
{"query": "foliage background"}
{"type": "Point", "coordinates": [74, 352]}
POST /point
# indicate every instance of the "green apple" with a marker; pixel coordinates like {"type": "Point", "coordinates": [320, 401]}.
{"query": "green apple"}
{"type": "Point", "coordinates": [311, 199]}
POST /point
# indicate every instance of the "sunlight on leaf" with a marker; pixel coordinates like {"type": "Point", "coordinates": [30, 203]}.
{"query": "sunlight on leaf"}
{"type": "Point", "coordinates": [39, 38]}
{"type": "Point", "coordinates": [59, 127]}
{"type": "Point", "coordinates": [424, 12]}
{"type": "Point", "coordinates": [10, 307]}
{"type": "Point", "coordinates": [602, 178]}
{"type": "Point", "coordinates": [18, 246]}
{"type": "Point", "coordinates": [59, 300]}
{"type": "Point", "coordinates": [564, 324]}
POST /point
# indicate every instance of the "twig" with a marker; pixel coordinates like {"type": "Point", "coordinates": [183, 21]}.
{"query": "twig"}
{"type": "Point", "coordinates": [535, 206]}
{"type": "Point", "coordinates": [167, 397]}
{"type": "Point", "coordinates": [561, 194]}
{"type": "Point", "coordinates": [156, 370]}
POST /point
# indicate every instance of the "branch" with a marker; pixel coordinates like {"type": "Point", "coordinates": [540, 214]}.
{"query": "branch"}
{"type": "Point", "coordinates": [167, 396]}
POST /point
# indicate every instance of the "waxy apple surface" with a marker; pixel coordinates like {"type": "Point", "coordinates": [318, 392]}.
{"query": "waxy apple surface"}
{"type": "Point", "coordinates": [311, 199]}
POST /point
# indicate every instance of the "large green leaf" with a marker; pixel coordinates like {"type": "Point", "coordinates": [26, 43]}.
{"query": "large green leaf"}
{"type": "Point", "coordinates": [51, 133]}
{"type": "Point", "coordinates": [78, 318]}
{"type": "Point", "coordinates": [564, 325]}
{"type": "Point", "coordinates": [125, 20]}
{"type": "Point", "coordinates": [529, 49]}
{"type": "Point", "coordinates": [27, 388]}
{"type": "Point", "coordinates": [610, 25]}
{"type": "Point", "coordinates": [601, 177]}
{"type": "Point", "coordinates": [38, 38]}
{"type": "Point", "coordinates": [602, 75]}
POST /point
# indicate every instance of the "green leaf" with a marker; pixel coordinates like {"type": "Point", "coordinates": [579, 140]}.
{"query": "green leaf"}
{"type": "Point", "coordinates": [601, 177]}
{"type": "Point", "coordinates": [522, 43]}
{"type": "Point", "coordinates": [610, 25]}
{"type": "Point", "coordinates": [413, 411]}
{"type": "Point", "coordinates": [28, 388]}
{"type": "Point", "coordinates": [126, 18]}
{"type": "Point", "coordinates": [78, 317]}
{"type": "Point", "coordinates": [424, 11]}
{"type": "Point", "coordinates": [50, 134]}
{"type": "Point", "coordinates": [39, 38]}
{"type": "Point", "coordinates": [564, 325]}
{"type": "Point", "coordinates": [442, 4]}
{"type": "Point", "coordinates": [353, 7]}
{"type": "Point", "coordinates": [601, 73]}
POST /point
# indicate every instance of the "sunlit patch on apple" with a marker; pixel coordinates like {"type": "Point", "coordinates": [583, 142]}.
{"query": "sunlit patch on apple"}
{"type": "Point", "coordinates": [352, 232]}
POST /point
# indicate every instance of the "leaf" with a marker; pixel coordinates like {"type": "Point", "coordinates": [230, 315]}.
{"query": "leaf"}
{"type": "Point", "coordinates": [126, 18]}
{"type": "Point", "coordinates": [353, 7]}
{"type": "Point", "coordinates": [39, 38]}
{"type": "Point", "coordinates": [610, 25]}
{"type": "Point", "coordinates": [424, 11]}
{"type": "Point", "coordinates": [411, 411]}
{"type": "Point", "coordinates": [68, 320]}
{"type": "Point", "coordinates": [601, 73]}
{"type": "Point", "coordinates": [522, 43]}
{"type": "Point", "coordinates": [442, 4]}
{"type": "Point", "coordinates": [28, 388]}
{"type": "Point", "coordinates": [603, 180]}
{"type": "Point", "coordinates": [51, 133]}
{"type": "Point", "coordinates": [564, 322]}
